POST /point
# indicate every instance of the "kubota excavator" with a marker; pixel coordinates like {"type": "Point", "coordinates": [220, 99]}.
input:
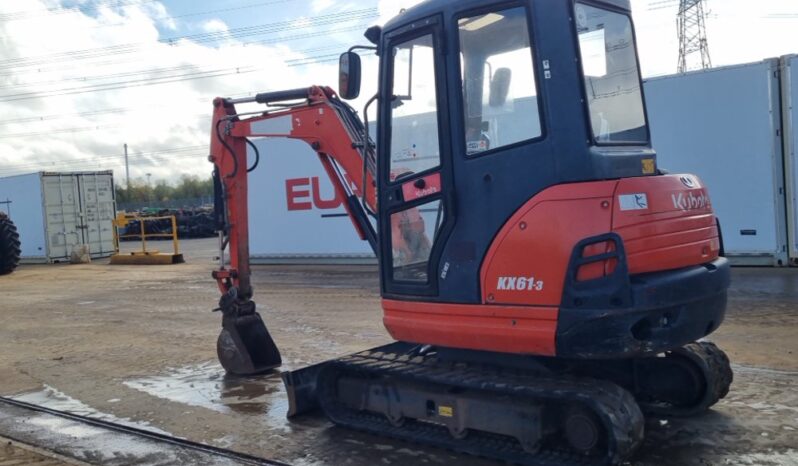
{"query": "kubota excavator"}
{"type": "Point", "coordinates": [545, 282]}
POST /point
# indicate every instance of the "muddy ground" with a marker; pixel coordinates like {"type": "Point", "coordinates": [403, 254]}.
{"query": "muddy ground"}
{"type": "Point", "coordinates": [138, 344]}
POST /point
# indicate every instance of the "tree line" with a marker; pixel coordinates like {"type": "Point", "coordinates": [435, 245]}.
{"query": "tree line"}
{"type": "Point", "coordinates": [141, 191]}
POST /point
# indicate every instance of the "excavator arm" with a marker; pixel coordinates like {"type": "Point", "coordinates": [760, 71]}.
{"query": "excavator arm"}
{"type": "Point", "coordinates": [332, 128]}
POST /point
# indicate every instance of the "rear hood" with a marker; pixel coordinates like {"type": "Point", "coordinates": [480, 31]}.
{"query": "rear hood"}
{"type": "Point", "coordinates": [666, 222]}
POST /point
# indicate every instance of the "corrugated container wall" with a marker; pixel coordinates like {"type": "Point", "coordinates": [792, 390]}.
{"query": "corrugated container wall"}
{"type": "Point", "coordinates": [789, 92]}
{"type": "Point", "coordinates": [724, 125]}
{"type": "Point", "coordinates": [55, 212]}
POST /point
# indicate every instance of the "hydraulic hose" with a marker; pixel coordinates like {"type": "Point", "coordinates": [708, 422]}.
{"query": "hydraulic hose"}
{"type": "Point", "coordinates": [229, 149]}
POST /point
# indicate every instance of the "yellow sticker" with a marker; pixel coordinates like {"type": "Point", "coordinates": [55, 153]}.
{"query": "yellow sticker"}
{"type": "Point", "coordinates": [649, 167]}
{"type": "Point", "coordinates": [445, 411]}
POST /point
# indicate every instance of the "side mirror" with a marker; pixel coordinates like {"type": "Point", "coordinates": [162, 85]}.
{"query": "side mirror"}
{"type": "Point", "coordinates": [500, 86]}
{"type": "Point", "coordinates": [349, 76]}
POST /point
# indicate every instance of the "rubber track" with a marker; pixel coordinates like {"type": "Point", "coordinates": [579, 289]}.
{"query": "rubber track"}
{"type": "Point", "coordinates": [242, 458]}
{"type": "Point", "coordinates": [9, 245]}
{"type": "Point", "coordinates": [615, 406]}
{"type": "Point", "coordinates": [717, 371]}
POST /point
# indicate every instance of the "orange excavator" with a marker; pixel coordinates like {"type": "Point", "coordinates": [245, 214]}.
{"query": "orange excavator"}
{"type": "Point", "coordinates": [546, 283]}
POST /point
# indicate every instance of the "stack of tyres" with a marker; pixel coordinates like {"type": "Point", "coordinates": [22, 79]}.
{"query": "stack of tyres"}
{"type": "Point", "coordinates": [9, 245]}
{"type": "Point", "coordinates": [191, 223]}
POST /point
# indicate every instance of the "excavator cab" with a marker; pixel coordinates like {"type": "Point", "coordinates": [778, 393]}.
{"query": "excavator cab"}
{"type": "Point", "coordinates": [527, 240]}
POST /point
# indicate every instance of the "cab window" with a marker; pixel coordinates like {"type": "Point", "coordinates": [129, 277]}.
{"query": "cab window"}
{"type": "Point", "coordinates": [611, 76]}
{"type": "Point", "coordinates": [499, 81]}
{"type": "Point", "coordinates": [414, 146]}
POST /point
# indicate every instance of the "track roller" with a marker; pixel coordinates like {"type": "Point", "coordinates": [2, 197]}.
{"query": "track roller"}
{"type": "Point", "coordinates": [584, 431]}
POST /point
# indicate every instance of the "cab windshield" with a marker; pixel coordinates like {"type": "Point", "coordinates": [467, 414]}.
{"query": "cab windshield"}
{"type": "Point", "coordinates": [611, 76]}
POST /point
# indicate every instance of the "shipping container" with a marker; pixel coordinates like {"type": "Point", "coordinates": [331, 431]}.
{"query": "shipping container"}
{"type": "Point", "coordinates": [57, 212]}
{"type": "Point", "coordinates": [724, 125]}
{"type": "Point", "coordinates": [789, 92]}
{"type": "Point", "coordinates": [295, 216]}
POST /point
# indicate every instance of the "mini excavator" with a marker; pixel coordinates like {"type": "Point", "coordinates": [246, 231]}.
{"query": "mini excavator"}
{"type": "Point", "coordinates": [546, 283]}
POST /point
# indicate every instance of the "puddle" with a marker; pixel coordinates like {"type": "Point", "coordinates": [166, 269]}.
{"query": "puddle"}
{"type": "Point", "coordinates": [790, 458]}
{"type": "Point", "coordinates": [207, 386]}
{"type": "Point", "coordinates": [51, 398]}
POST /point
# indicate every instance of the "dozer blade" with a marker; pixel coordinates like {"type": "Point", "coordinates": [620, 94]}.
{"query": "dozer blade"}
{"type": "Point", "coordinates": [301, 388]}
{"type": "Point", "coordinates": [300, 384]}
{"type": "Point", "coordinates": [245, 347]}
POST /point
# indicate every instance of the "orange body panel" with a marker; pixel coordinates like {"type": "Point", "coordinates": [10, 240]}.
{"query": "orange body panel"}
{"type": "Point", "coordinates": [538, 241]}
{"type": "Point", "coordinates": [665, 222]}
{"type": "Point", "coordinates": [506, 329]}
{"type": "Point", "coordinates": [677, 230]}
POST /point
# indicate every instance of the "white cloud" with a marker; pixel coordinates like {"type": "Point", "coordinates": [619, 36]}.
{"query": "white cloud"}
{"type": "Point", "coordinates": [319, 6]}
{"type": "Point", "coordinates": [214, 25]}
{"type": "Point", "coordinates": [82, 131]}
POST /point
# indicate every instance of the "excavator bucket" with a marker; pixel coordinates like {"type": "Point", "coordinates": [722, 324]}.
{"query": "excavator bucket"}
{"type": "Point", "coordinates": [244, 346]}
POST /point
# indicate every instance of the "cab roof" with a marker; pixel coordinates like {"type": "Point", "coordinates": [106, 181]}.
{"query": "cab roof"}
{"type": "Point", "coordinates": [430, 7]}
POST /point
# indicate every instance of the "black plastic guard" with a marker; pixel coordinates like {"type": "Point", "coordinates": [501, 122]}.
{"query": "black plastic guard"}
{"type": "Point", "coordinates": [613, 290]}
{"type": "Point", "coordinates": [667, 310]}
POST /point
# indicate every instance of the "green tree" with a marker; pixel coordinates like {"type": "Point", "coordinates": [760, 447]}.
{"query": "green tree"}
{"type": "Point", "coordinates": [188, 187]}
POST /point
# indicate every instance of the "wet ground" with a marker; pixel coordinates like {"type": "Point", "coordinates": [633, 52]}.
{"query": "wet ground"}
{"type": "Point", "coordinates": [16, 454]}
{"type": "Point", "coordinates": [137, 344]}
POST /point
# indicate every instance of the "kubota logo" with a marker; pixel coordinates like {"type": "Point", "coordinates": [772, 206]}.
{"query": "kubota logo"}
{"type": "Point", "coordinates": [690, 201]}
{"type": "Point", "coordinates": [520, 284]}
{"type": "Point", "coordinates": [687, 181]}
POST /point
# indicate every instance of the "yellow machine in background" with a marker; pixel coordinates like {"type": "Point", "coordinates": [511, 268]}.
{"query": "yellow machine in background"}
{"type": "Point", "coordinates": [145, 256]}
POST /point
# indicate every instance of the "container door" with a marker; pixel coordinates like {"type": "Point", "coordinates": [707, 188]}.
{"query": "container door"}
{"type": "Point", "coordinates": [789, 92]}
{"type": "Point", "coordinates": [62, 215]}
{"type": "Point", "coordinates": [98, 208]}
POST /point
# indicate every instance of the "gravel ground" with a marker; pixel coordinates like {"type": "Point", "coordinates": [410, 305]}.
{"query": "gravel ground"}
{"type": "Point", "coordinates": [138, 344]}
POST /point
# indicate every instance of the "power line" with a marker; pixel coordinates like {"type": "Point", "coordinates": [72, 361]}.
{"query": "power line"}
{"type": "Point", "coordinates": [17, 15]}
{"type": "Point", "coordinates": [116, 110]}
{"type": "Point", "coordinates": [148, 71]}
{"type": "Point", "coordinates": [356, 27]}
{"type": "Point", "coordinates": [248, 31]}
{"type": "Point", "coordinates": [203, 13]}
{"type": "Point", "coordinates": [298, 62]}
{"type": "Point", "coordinates": [125, 84]}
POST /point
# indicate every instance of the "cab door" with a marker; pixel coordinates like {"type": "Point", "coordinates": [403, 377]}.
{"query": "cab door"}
{"type": "Point", "coordinates": [415, 208]}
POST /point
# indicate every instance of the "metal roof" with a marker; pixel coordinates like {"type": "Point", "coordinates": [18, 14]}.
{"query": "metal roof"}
{"type": "Point", "coordinates": [429, 7]}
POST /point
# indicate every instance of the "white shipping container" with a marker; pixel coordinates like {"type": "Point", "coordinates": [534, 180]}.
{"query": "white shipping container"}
{"type": "Point", "coordinates": [789, 106]}
{"type": "Point", "coordinates": [294, 215]}
{"type": "Point", "coordinates": [724, 126]}
{"type": "Point", "coordinates": [55, 212]}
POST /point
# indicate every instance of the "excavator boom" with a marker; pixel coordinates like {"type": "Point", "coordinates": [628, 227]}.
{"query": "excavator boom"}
{"type": "Point", "coordinates": [316, 116]}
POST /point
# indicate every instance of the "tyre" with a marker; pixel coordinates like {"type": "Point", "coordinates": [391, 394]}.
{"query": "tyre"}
{"type": "Point", "coordinates": [9, 245]}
